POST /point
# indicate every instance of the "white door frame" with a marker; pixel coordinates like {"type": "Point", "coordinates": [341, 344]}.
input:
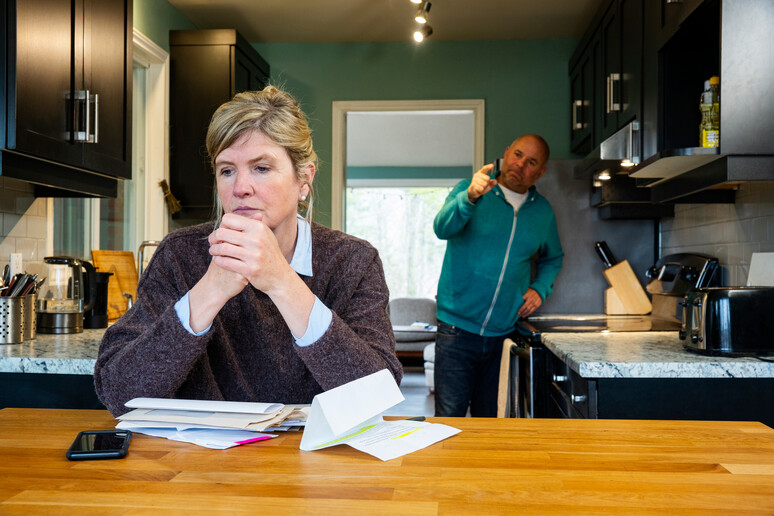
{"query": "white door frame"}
{"type": "Point", "coordinates": [156, 134]}
{"type": "Point", "coordinates": [339, 137]}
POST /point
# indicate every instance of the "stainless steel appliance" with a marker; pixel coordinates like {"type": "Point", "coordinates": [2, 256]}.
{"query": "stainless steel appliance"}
{"type": "Point", "coordinates": [729, 321]}
{"type": "Point", "coordinates": [64, 297]}
{"type": "Point", "coordinates": [673, 276]}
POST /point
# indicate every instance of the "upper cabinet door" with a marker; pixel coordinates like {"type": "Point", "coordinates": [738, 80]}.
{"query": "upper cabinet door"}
{"type": "Point", "coordinates": [610, 68]}
{"type": "Point", "coordinates": [107, 76]}
{"type": "Point", "coordinates": [40, 102]}
{"type": "Point", "coordinates": [68, 77]}
{"type": "Point", "coordinates": [621, 67]}
{"type": "Point", "coordinates": [631, 15]}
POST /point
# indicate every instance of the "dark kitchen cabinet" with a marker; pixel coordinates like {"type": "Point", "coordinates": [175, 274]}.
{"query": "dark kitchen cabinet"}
{"type": "Point", "coordinates": [621, 32]}
{"type": "Point", "coordinates": [67, 115]}
{"type": "Point", "coordinates": [584, 99]}
{"type": "Point", "coordinates": [208, 67]}
{"type": "Point", "coordinates": [606, 75]}
{"type": "Point", "coordinates": [669, 15]}
{"type": "Point", "coordinates": [722, 399]}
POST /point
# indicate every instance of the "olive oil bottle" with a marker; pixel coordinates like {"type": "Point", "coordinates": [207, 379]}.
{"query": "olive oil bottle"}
{"type": "Point", "coordinates": [709, 130]}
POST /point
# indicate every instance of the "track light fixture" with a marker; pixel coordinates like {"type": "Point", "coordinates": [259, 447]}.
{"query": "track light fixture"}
{"type": "Point", "coordinates": [424, 32]}
{"type": "Point", "coordinates": [423, 13]}
{"type": "Point", "coordinates": [423, 18]}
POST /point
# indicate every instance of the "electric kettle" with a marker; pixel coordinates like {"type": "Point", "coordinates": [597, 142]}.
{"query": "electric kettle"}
{"type": "Point", "coordinates": [64, 298]}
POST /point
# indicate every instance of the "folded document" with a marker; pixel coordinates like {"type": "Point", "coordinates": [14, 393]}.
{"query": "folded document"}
{"type": "Point", "coordinates": [351, 414]}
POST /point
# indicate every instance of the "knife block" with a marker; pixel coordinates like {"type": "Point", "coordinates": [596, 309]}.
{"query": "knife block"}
{"type": "Point", "coordinates": [625, 295]}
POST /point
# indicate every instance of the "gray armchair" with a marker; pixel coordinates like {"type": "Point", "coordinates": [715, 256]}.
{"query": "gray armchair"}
{"type": "Point", "coordinates": [405, 311]}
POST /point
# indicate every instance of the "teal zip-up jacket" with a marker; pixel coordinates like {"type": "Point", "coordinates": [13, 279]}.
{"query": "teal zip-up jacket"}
{"type": "Point", "coordinates": [486, 268]}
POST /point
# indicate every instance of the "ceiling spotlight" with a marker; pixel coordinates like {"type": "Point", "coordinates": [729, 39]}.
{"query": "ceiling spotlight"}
{"type": "Point", "coordinates": [416, 1]}
{"type": "Point", "coordinates": [425, 32]}
{"type": "Point", "coordinates": [423, 13]}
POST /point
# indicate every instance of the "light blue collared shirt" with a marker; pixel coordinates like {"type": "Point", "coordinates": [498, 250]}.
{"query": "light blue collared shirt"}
{"type": "Point", "coordinates": [319, 319]}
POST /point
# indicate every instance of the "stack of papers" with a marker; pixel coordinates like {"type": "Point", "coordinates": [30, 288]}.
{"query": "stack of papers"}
{"type": "Point", "coordinates": [213, 424]}
{"type": "Point", "coordinates": [349, 414]}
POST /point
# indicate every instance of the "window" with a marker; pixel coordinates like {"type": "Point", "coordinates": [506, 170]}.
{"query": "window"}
{"type": "Point", "coordinates": [396, 162]}
{"type": "Point", "coordinates": [398, 221]}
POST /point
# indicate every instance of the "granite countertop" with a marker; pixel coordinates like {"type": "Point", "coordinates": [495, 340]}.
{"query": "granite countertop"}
{"type": "Point", "coordinates": [74, 353]}
{"type": "Point", "coordinates": [647, 354]}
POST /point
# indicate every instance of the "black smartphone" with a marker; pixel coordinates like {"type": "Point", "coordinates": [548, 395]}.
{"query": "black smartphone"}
{"type": "Point", "coordinates": [498, 165]}
{"type": "Point", "coordinates": [100, 444]}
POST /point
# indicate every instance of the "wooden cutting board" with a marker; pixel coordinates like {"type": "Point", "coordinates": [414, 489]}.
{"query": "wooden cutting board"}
{"type": "Point", "coordinates": [124, 278]}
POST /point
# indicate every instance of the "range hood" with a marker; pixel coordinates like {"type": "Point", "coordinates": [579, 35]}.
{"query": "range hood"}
{"type": "Point", "coordinates": [707, 178]}
{"type": "Point", "coordinates": [618, 152]}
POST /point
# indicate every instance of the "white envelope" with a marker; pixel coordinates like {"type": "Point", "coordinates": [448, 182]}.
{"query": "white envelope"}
{"type": "Point", "coordinates": [242, 407]}
{"type": "Point", "coordinates": [347, 410]}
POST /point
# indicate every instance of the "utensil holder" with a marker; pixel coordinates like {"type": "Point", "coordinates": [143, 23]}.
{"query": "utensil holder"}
{"type": "Point", "coordinates": [11, 320]}
{"type": "Point", "coordinates": [29, 308]}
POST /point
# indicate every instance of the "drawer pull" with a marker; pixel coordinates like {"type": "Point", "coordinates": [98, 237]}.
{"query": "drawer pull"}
{"type": "Point", "coordinates": [578, 398]}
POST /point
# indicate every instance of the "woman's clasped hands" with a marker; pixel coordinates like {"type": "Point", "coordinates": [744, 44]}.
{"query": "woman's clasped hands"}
{"type": "Point", "coordinates": [244, 250]}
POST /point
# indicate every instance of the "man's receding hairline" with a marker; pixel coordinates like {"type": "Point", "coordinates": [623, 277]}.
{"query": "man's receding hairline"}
{"type": "Point", "coordinates": [541, 142]}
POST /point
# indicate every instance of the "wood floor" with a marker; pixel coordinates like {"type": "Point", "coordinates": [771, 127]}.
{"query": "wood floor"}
{"type": "Point", "coordinates": [419, 401]}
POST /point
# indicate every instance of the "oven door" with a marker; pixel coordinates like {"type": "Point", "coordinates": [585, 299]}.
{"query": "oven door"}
{"type": "Point", "coordinates": [528, 393]}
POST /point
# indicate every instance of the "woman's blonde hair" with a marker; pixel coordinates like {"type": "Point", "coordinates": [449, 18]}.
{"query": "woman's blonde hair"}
{"type": "Point", "coordinates": [277, 115]}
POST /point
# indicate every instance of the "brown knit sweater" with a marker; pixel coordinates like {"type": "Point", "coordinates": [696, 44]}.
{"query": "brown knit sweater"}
{"type": "Point", "coordinates": [249, 354]}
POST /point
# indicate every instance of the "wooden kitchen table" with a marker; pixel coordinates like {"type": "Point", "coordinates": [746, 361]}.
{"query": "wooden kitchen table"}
{"type": "Point", "coordinates": [494, 466]}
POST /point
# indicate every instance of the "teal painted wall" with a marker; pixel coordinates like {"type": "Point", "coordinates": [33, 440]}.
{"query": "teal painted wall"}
{"type": "Point", "coordinates": [458, 172]}
{"type": "Point", "coordinates": [524, 83]}
{"type": "Point", "coordinates": [155, 18]}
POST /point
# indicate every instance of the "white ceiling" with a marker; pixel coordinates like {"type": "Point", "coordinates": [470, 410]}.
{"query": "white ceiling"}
{"type": "Point", "coordinates": [324, 21]}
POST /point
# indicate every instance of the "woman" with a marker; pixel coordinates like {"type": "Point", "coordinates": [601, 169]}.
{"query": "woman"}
{"type": "Point", "coordinates": [259, 305]}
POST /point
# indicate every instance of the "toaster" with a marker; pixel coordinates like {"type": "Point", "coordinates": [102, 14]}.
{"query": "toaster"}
{"type": "Point", "coordinates": [735, 321]}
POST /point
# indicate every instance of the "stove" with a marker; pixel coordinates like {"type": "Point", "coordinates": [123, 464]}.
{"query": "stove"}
{"type": "Point", "coordinates": [559, 323]}
{"type": "Point", "coordinates": [529, 357]}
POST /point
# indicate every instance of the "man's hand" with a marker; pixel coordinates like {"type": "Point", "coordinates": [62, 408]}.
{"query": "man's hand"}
{"type": "Point", "coordinates": [532, 302]}
{"type": "Point", "coordinates": [481, 183]}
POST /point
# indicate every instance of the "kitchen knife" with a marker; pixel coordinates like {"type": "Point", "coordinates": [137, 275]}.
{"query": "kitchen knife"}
{"type": "Point", "coordinates": [604, 252]}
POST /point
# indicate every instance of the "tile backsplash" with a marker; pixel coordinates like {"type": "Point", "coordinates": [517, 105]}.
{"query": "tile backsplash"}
{"type": "Point", "coordinates": [730, 232]}
{"type": "Point", "coordinates": [22, 224]}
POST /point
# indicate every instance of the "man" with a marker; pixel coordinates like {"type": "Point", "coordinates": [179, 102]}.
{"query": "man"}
{"type": "Point", "coordinates": [493, 228]}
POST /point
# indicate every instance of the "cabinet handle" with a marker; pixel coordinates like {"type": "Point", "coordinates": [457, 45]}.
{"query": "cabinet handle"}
{"type": "Point", "coordinates": [578, 398]}
{"type": "Point", "coordinates": [87, 132]}
{"type": "Point", "coordinates": [560, 378]}
{"type": "Point", "coordinates": [95, 138]}
{"type": "Point", "coordinates": [575, 123]}
{"type": "Point", "coordinates": [611, 104]}
{"type": "Point", "coordinates": [82, 106]}
{"type": "Point", "coordinates": [81, 114]}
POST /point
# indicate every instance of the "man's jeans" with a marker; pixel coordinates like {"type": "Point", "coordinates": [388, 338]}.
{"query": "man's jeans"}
{"type": "Point", "coordinates": [467, 372]}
